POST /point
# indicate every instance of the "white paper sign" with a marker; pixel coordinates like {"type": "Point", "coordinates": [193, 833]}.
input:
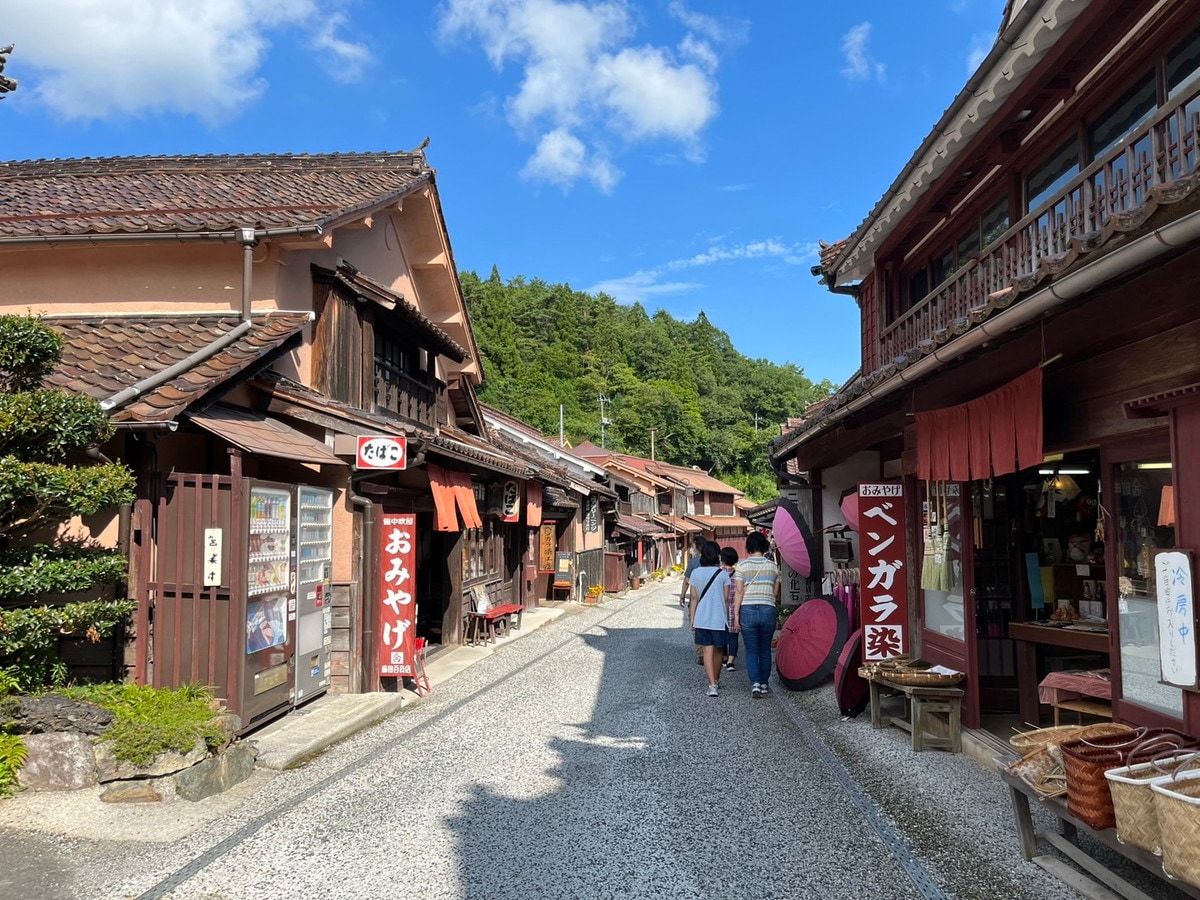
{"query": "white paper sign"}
{"type": "Point", "coordinates": [212, 550]}
{"type": "Point", "coordinates": [1176, 618]}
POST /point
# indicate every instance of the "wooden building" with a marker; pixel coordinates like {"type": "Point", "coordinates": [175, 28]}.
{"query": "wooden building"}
{"type": "Point", "coordinates": [1028, 297]}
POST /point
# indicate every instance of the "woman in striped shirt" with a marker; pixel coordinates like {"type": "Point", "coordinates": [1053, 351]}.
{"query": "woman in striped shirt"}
{"type": "Point", "coordinates": [758, 588]}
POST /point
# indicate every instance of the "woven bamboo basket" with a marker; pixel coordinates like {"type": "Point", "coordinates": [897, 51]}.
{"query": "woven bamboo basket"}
{"type": "Point", "coordinates": [1026, 741]}
{"type": "Point", "coordinates": [1178, 805]}
{"type": "Point", "coordinates": [919, 678]}
{"type": "Point", "coordinates": [1042, 770]}
{"type": "Point", "coordinates": [909, 672]}
{"type": "Point", "coordinates": [1133, 801]}
{"type": "Point", "coordinates": [1087, 759]}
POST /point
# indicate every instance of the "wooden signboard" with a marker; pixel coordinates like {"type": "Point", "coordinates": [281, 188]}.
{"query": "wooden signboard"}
{"type": "Point", "coordinates": [547, 545]}
{"type": "Point", "coordinates": [562, 570]}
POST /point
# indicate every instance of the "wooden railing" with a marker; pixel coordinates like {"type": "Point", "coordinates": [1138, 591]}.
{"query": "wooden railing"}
{"type": "Point", "coordinates": [399, 393]}
{"type": "Point", "coordinates": [1160, 151]}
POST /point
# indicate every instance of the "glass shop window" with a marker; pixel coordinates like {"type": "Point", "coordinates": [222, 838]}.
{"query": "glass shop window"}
{"type": "Point", "coordinates": [1144, 516]}
{"type": "Point", "coordinates": [941, 561]}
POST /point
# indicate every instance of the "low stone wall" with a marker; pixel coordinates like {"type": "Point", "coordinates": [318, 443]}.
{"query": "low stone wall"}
{"type": "Point", "coordinates": [66, 752]}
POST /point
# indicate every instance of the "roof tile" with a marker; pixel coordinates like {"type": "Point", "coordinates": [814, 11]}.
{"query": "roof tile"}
{"type": "Point", "coordinates": [131, 195]}
{"type": "Point", "coordinates": [104, 354]}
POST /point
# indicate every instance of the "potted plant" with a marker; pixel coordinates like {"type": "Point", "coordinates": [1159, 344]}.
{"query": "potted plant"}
{"type": "Point", "coordinates": [592, 595]}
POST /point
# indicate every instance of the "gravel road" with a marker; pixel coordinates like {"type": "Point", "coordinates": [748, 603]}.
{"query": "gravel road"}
{"type": "Point", "coordinates": [582, 761]}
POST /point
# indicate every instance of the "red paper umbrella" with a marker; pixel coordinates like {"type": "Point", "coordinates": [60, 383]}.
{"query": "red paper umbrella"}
{"type": "Point", "coordinates": [794, 537]}
{"type": "Point", "coordinates": [851, 689]}
{"type": "Point", "coordinates": [849, 507]}
{"type": "Point", "coordinates": [812, 638]}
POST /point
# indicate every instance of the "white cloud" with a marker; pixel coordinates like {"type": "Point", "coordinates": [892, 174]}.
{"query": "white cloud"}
{"type": "Point", "coordinates": [860, 65]}
{"type": "Point", "coordinates": [977, 51]}
{"type": "Point", "coordinates": [343, 60]}
{"type": "Point", "coordinates": [562, 159]}
{"type": "Point", "coordinates": [586, 87]}
{"type": "Point", "coordinates": [646, 283]}
{"type": "Point", "coordinates": [96, 59]}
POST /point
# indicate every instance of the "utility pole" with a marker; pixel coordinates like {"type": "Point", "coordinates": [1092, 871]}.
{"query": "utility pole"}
{"type": "Point", "coordinates": [756, 423]}
{"type": "Point", "coordinates": [652, 430]}
{"type": "Point", "coordinates": [562, 435]}
{"type": "Point", "coordinates": [604, 420]}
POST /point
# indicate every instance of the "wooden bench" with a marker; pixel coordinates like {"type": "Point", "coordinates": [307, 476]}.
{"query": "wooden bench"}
{"type": "Point", "coordinates": [486, 622]}
{"type": "Point", "coordinates": [919, 703]}
{"type": "Point", "coordinates": [1065, 838]}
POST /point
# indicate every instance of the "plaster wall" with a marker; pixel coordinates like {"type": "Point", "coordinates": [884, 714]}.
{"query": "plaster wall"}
{"type": "Point", "coordinates": [862, 466]}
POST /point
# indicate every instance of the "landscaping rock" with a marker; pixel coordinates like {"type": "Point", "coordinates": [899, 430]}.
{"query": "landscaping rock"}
{"type": "Point", "coordinates": [130, 792]}
{"type": "Point", "coordinates": [59, 761]}
{"type": "Point", "coordinates": [50, 713]}
{"type": "Point", "coordinates": [109, 768]}
{"type": "Point", "coordinates": [217, 774]}
{"type": "Point", "coordinates": [230, 724]}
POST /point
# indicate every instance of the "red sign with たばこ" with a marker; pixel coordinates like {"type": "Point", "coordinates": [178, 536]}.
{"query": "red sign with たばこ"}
{"type": "Point", "coordinates": [884, 554]}
{"type": "Point", "coordinates": [397, 594]}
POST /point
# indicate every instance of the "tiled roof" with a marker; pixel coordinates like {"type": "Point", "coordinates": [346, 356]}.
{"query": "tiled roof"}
{"type": "Point", "coordinates": [715, 522]}
{"type": "Point", "coordinates": [677, 524]}
{"type": "Point", "coordinates": [258, 433]}
{"type": "Point", "coordinates": [167, 194]}
{"type": "Point", "coordinates": [103, 354]}
{"type": "Point", "coordinates": [697, 479]}
{"type": "Point", "coordinates": [458, 444]}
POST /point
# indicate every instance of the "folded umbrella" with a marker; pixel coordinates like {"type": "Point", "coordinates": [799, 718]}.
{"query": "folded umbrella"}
{"type": "Point", "coordinates": [811, 640]}
{"type": "Point", "coordinates": [794, 537]}
{"type": "Point", "coordinates": [849, 507]}
{"type": "Point", "coordinates": [851, 689]}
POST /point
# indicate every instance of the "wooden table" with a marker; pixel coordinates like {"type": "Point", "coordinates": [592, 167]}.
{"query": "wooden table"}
{"type": "Point", "coordinates": [918, 703]}
{"type": "Point", "coordinates": [1028, 637]}
{"type": "Point", "coordinates": [1066, 840]}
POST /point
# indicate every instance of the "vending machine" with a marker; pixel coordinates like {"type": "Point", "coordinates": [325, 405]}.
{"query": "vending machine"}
{"type": "Point", "coordinates": [269, 684]}
{"type": "Point", "coordinates": [314, 614]}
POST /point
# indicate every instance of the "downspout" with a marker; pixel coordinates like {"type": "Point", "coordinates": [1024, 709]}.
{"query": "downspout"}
{"type": "Point", "coordinates": [367, 511]}
{"type": "Point", "coordinates": [1174, 236]}
{"type": "Point", "coordinates": [249, 240]}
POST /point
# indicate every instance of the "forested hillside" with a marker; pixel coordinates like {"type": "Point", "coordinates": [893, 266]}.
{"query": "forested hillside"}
{"type": "Point", "coordinates": [705, 403]}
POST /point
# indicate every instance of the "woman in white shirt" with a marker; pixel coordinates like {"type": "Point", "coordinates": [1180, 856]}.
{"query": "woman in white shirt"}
{"type": "Point", "coordinates": [710, 586]}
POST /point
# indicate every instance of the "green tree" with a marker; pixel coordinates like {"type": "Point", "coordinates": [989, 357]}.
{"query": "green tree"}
{"type": "Point", "coordinates": [546, 346]}
{"type": "Point", "coordinates": [45, 479]}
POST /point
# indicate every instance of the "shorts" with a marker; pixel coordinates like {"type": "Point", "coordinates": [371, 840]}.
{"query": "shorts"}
{"type": "Point", "coordinates": [710, 637]}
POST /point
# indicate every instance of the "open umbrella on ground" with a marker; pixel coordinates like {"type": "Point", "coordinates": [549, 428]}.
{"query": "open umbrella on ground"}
{"type": "Point", "coordinates": [794, 537]}
{"type": "Point", "coordinates": [849, 507]}
{"type": "Point", "coordinates": [853, 692]}
{"type": "Point", "coordinates": [810, 642]}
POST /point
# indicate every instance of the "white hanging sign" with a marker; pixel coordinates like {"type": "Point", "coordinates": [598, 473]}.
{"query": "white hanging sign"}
{"type": "Point", "coordinates": [1176, 617]}
{"type": "Point", "coordinates": [213, 547]}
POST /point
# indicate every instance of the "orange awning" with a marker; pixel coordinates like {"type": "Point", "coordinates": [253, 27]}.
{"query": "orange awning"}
{"type": "Point", "coordinates": [465, 495]}
{"type": "Point", "coordinates": [443, 498]}
{"type": "Point", "coordinates": [533, 504]}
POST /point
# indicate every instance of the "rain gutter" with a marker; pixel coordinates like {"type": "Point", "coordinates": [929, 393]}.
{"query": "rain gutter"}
{"type": "Point", "coordinates": [182, 237]}
{"type": "Point", "coordinates": [1175, 236]}
{"type": "Point", "coordinates": [249, 239]}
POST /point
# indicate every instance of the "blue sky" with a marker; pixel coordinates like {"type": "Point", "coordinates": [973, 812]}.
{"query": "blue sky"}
{"type": "Point", "coordinates": [687, 154]}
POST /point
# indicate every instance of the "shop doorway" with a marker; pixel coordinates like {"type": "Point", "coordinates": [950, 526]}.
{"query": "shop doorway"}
{"type": "Point", "coordinates": [1038, 557]}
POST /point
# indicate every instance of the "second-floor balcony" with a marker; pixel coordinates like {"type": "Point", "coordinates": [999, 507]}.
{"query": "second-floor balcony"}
{"type": "Point", "coordinates": [1160, 152]}
{"type": "Point", "coordinates": [399, 393]}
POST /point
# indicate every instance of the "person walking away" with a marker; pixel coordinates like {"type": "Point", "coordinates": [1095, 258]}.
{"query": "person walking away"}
{"type": "Point", "coordinates": [684, 594]}
{"type": "Point", "coordinates": [755, 610]}
{"type": "Point", "coordinates": [729, 560]}
{"type": "Point", "coordinates": [710, 593]}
